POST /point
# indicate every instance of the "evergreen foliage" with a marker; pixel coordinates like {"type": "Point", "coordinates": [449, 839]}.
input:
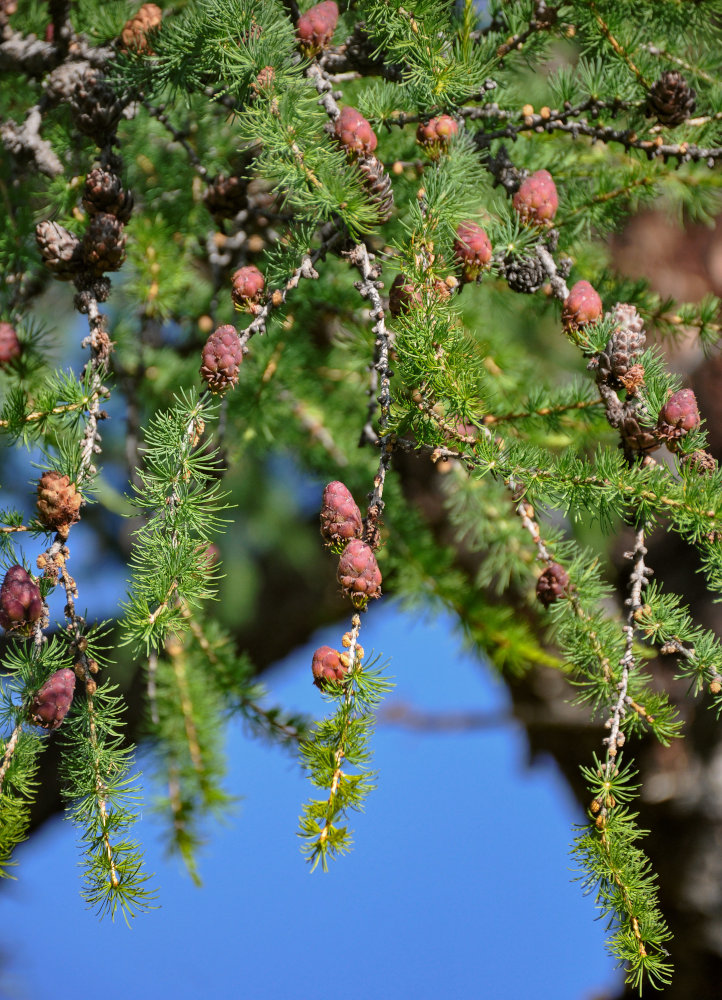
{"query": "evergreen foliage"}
{"type": "Point", "coordinates": [501, 440]}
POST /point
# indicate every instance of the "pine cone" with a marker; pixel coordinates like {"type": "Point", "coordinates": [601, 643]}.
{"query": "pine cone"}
{"type": "Point", "coordinates": [247, 287]}
{"type": "Point", "coordinates": [358, 572]}
{"type": "Point", "coordinates": [378, 184]}
{"type": "Point", "coordinates": [637, 437]}
{"type": "Point", "coordinates": [104, 193]}
{"type": "Point", "coordinates": [9, 344]}
{"type": "Point", "coordinates": [701, 461]}
{"type": "Point", "coordinates": [671, 98]}
{"type": "Point", "coordinates": [95, 107]}
{"type": "Point", "coordinates": [435, 135]}
{"type": "Point", "coordinates": [104, 243]}
{"type": "Point", "coordinates": [225, 196]}
{"type": "Point", "coordinates": [52, 702]}
{"type": "Point", "coordinates": [60, 249]}
{"type": "Point", "coordinates": [58, 503]}
{"type": "Point", "coordinates": [624, 346]}
{"type": "Point", "coordinates": [20, 601]}
{"type": "Point", "coordinates": [552, 584]}
{"type": "Point", "coordinates": [581, 306]}
{"type": "Point", "coordinates": [221, 359]}
{"type": "Point", "coordinates": [134, 36]}
{"type": "Point", "coordinates": [524, 274]}
{"type": "Point", "coordinates": [340, 517]}
{"type": "Point", "coordinates": [472, 249]}
{"type": "Point", "coordinates": [678, 416]}
{"type": "Point", "coordinates": [327, 667]}
{"type": "Point", "coordinates": [316, 27]}
{"type": "Point", "coordinates": [354, 132]}
{"type": "Point", "coordinates": [537, 200]}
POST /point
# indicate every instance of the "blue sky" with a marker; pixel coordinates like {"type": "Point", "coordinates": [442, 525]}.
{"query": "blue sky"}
{"type": "Point", "coordinates": [459, 883]}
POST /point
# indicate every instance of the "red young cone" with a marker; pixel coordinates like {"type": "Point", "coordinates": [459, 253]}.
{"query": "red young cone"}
{"type": "Point", "coordinates": [537, 199]}
{"type": "Point", "coordinates": [221, 359]}
{"type": "Point", "coordinates": [552, 584]}
{"type": "Point", "coordinates": [327, 666]}
{"type": "Point", "coordinates": [436, 134]}
{"type": "Point", "coordinates": [679, 415]}
{"type": "Point", "coordinates": [581, 306]}
{"type": "Point", "coordinates": [472, 249]}
{"type": "Point", "coordinates": [20, 601]}
{"type": "Point", "coordinates": [354, 132]}
{"type": "Point", "coordinates": [247, 287]}
{"type": "Point", "coordinates": [9, 344]}
{"type": "Point", "coordinates": [358, 572]}
{"type": "Point", "coordinates": [52, 702]}
{"type": "Point", "coordinates": [340, 516]}
{"type": "Point", "coordinates": [316, 27]}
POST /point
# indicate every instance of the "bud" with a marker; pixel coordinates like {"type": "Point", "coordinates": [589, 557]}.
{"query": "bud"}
{"type": "Point", "coordinates": [52, 702]}
{"type": "Point", "coordinates": [354, 132]}
{"type": "Point", "coordinates": [58, 502]}
{"type": "Point", "coordinates": [679, 415]}
{"type": "Point", "coordinates": [20, 601]}
{"type": "Point", "coordinates": [552, 584]}
{"type": "Point", "coordinates": [9, 344]}
{"type": "Point", "coordinates": [327, 667]}
{"type": "Point", "coordinates": [316, 27]}
{"type": "Point", "coordinates": [340, 516]}
{"type": "Point", "coordinates": [472, 249]}
{"type": "Point", "coordinates": [358, 572]}
{"type": "Point", "coordinates": [265, 80]}
{"type": "Point", "coordinates": [537, 200]}
{"type": "Point", "coordinates": [221, 359]}
{"type": "Point", "coordinates": [581, 306]}
{"type": "Point", "coordinates": [247, 287]}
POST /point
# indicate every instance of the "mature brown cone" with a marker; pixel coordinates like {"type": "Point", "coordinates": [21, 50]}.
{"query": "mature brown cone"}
{"type": "Point", "coordinates": [226, 196]}
{"type": "Point", "coordinates": [104, 243]}
{"type": "Point", "coordinates": [9, 344]}
{"type": "Point", "coordinates": [20, 602]}
{"type": "Point", "coordinates": [340, 517]}
{"type": "Point", "coordinates": [221, 359]}
{"type": "Point", "coordinates": [58, 502]}
{"type": "Point", "coordinates": [134, 36]}
{"type": "Point", "coordinates": [95, 107]}
{"type": "Point", "coordinates": [671, 98]}
{"type": "Point", "coordinates": [626, 343]}
{"type": "Point", "coordinates": [52, 702]}
{"type": "Point", "coordinates": [378, 184]}
{"type": "Point", "coordinates": [60, 249]}
{"type": "Point", "coordinates": [104, 193]}
{"type": "Point", "coordinates": [358, 572]}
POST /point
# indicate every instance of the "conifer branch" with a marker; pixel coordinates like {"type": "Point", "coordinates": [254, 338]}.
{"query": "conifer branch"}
{"type": "Point", "coordinates": [10, 748]}
{"type": "Point", "coordinates": [618, 48]}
